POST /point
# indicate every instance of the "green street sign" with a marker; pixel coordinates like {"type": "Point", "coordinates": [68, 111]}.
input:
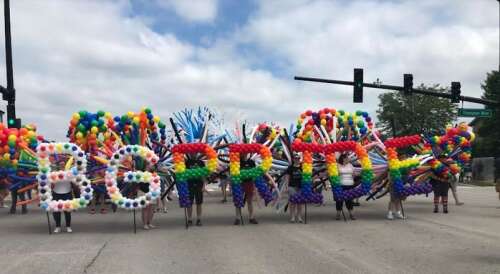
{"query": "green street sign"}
{"type": "Point", "coordinates": [475, 112]}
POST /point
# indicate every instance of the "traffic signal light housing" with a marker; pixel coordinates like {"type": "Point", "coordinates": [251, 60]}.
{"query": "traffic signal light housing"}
{"type": "Point", "coordinates": [358, 86]}
{"type": "Point", "coordinates": [408, 84]}
{"type": "Point", "coordinates": [455, 92]}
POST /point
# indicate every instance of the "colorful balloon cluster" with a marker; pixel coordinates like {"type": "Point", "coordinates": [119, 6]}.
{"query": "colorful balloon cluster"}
{"type": "Point", "coordinates": [46, 177]}
{"type": "Point", "coordinates": [138, 128]}
{"type": "Point", "coordinates": [89, 130]}
{"type": "Point", "coordinates": [152, 179]}
{"type": "Point", "coordinates": [342, 124]}
{"type": "Point", "coordinates": [183, 174]}
{"type": "Point", "coordinates": [252, 174]}
{"type": "Point", "coordinates": [339, 194]}
{"type": "Point", "coordinates": [16, 143]}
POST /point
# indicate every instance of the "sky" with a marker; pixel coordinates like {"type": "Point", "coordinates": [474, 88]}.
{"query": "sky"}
{"type": "Point", "coordinates": [238, 57]}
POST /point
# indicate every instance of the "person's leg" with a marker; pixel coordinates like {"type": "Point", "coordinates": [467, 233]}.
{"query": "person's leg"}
{"type": "Point", "coordinates": [144, 217]}
{"type": "Point", "coordinates": [24, 208]}
{"type": "Point", "coordinates": [151, 211]}
{"type": "Point", "coordinates": [436, 201]}
{"type": "Point", "coordinates": [390, 208]}
{"type": "Point", "coordinates": [190, 214]}
{"type": "Point", "coordinates": [338, 206]}
{"type": "Point", "coordinates": [13, 207]}
{"type": "Point", "coordinates": [292, 207]}
{"type": "Point", "coordinates": [250, 208]}
{"type": "Point", "coordinates": [445, 203]}
{"type": "Point", "coordinates": [299, 212]}
{"type": "Point", "coordinates": [238, 216]}
{"type": "Point", "coordinates": [455, 194]}
{"type": "Point", "coordinates": [350, 206]}
{"type": "Point", "coordinates": [67, 219]}
{"type": "Point", "coordinates": [57, 219]}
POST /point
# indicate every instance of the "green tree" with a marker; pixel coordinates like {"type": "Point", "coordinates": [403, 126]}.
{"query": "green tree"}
{"type": "Point", "coordinates": [488, 129]}
{"type": "Point", "coordinates": [414, 114]}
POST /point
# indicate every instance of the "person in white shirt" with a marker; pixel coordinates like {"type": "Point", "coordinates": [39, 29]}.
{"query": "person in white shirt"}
{"type": "Point", "coordinates": [346, 172]}
{"type": "Point", "coordinates": [62, 191]}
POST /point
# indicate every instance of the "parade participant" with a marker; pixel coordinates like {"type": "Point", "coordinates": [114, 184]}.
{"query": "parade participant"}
{"type": "Point", "coordinates": [4, 192]}
{"type": "Point", "coordinates": [147, 211]}
{"type": "Point", "coordinates": [196, 187]}
{"type": "Point", "coordinates": [395, 202]}
{"type": "Point", "coordinates": [440, 186]}
{"type": "Point", "coordinates": [453, 185]}
{"type": "Point", "coordinates": [346, 171]}
{"type": "Point", "coordinates": [99, 198]}
{"type": "Point", "coordinates": [223, 183]}
{"type": "Point", "coordinates": [249, 190]}
{"type": "Point", "coordinates": [62, 190]}
{"type": "Point", "coordinates": [294, 178]}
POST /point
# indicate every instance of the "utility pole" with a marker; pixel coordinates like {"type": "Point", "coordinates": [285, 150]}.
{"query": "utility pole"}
{"type": "Point", "coordinates": [9, 93]}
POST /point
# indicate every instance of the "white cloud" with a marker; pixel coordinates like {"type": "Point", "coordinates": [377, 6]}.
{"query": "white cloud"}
{"type": "Point", "coordinates": [192, 10]}
{"type": "Point", "coordinates": [437, 41]}
{"type": "Point", "coordinates": [72, 55]}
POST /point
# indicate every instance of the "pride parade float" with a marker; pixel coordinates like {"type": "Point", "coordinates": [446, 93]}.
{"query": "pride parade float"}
{"type": "Point", "coordinates": [112, 155]}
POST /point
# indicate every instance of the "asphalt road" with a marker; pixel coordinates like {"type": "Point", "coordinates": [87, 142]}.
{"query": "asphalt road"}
{"type": "Point", "coordinates": [465, 241]}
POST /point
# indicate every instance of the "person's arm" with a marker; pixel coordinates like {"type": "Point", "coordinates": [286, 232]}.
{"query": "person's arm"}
{"type": "Point", "coordinates": [270, 179]}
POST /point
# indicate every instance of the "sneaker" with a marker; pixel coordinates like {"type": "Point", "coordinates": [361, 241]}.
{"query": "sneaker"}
{"type": "Point", "coordinates": [292, 220]}
{"type": "Point", "coordinates": [237, 222]}
{"type": "Point", "coordinates": [436, 209]}
{"type": "Point", "coordinates": [92, 211]}
{"type": "Point", "coordinates": [352, 217]}
{"type": "Point", "coordinates": [459, 203]}
{"type": "Point", "coordinates": [69, 230]}
{"type": "Point", "coordinates": [146, 227]}
{"type": "Point", "coordinates": [445, 210]}
{"type": "Point", "coordinates": [165, 210]}
{"type": "Point", "coordinates": [300, 221]}
{"type": "Point", "coordinates": [190, 222]}
{"type": "Point", "coordinates": [57, 230]}
{"type": "Point", "coordinates": [104, 211]}
{"type": "Point", "coordinates": [253, 221]}
{"type": "Point", "coordinates": [400, 216]}
{"type": "Point", "coordinates": [390, 216]}
{"type": "Point", "coordinates": [198, 222]}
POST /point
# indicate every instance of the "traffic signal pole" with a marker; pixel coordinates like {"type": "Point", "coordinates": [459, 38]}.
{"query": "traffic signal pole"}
{"type": "Point", "coordinates": [9, 93]}
{"type": "Point", "coordinates": [400, 88]}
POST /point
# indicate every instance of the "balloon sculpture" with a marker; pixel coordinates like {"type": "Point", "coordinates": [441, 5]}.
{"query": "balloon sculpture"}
{"type": "Point", "coordinates": [112, 155]}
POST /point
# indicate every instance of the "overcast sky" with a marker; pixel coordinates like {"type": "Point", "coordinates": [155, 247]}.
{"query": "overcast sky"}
{"type": "Point", "coordinates": [237, 56]}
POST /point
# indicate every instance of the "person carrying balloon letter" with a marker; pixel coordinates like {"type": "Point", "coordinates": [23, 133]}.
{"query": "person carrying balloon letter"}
{"type": "Point", "coordinates": [346, 171]}
{"type": "Point", "coordinates": [440, 185]}
{"type": "Point", "coordinates": [248, 187]}
{"type": "Point", "coordinates": [196, 187]}
{"type": "Point", "coordinates": [294, 180]}
{"type": "Point", "coordinates": [62, 190]}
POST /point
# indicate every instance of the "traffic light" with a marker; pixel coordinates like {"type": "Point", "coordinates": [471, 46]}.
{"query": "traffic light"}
{"type": "Point", "coordinates": [408, 84]}
{"type": "Point", "coordinates": [358, 85]}
{"type": "Point", "coordinates": [455, 92]}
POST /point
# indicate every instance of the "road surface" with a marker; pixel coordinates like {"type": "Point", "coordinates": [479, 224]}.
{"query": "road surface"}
{"type": "Point", "coordinates": [465, 241]}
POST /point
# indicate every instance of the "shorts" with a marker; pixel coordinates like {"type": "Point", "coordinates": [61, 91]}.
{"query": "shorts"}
{"type": "Point", "coordinates": [441, 189]}
{"type": "Point", "coordinates": [63, 196]}
{"type": "Point", "coordinates": [248, 189]}
{"type": "Point", "coordinates": [144, 187]}
{"type": "Point", "coordinates": [196, 193]}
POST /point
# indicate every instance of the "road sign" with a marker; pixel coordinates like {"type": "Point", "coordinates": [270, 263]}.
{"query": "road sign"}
{"type": "Point", "coordinates": [475, 112]}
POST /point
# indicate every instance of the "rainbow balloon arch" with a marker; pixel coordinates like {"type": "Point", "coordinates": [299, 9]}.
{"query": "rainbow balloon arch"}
{"type": "Point", "coordinates": [113, 155]}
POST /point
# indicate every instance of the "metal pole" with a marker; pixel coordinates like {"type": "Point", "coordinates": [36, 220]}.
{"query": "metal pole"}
{"type": "Point", "coordinates": [48, 223]}
{"type": "Point", "coordinates": [135, 224]}
{"type": "Point", "coordinates": [11, 109]}
{"type": "Point", "coordinates": [498, 35]}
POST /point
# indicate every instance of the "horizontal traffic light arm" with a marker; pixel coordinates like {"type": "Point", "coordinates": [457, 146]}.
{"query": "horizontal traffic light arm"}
{"type": "Point", "coordinates": [399, 88]}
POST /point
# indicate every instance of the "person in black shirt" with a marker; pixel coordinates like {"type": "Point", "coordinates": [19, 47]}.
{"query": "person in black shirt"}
{"type": "Point", "coordinates": [196, 187]}
{"type": "Point", "coordinates": [294, 179]}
